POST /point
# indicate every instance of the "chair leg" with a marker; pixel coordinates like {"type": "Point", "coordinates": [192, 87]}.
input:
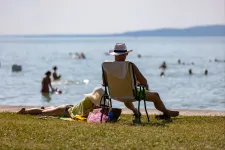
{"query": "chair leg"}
{"type": "Point", "coordinates": [103, 107]}
{"type": "Point", "coordinates": [146, 110]}
{"type": "Point", "coordinates": [139, 116]}
{"type": "Point", "coordinates": [110, 101]}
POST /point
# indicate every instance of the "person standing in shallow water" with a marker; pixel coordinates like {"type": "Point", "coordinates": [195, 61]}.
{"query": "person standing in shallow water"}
{"type": "Point", "coordinates": [46, 82]}
{"type": "Point", "coordinates": [55, 75]}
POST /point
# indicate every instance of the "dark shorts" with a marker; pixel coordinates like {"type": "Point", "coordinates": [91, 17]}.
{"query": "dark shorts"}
{"type": "Point", "coordinates": [141, 93]}
{"type": "Point", "coordinates": [66, 113]}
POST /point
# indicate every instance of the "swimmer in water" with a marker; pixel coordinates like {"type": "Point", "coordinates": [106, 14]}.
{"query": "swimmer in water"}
{"type": "Point", "coordinates": [54, 75]}
{"type": "Point", "coordinates": [46, 82]}
{"type": "Point", "coordinates": [163, 65]}
{"type": "Point", "coordinates": [162, 74]}
{"type": "Point", "coordinates": [206, 72]}
{"type": "Point", "coordinates": [190, 72]}
{"type": "Point", "coordinates": [139, 55]}
{"type": "Point", "coordinates": [82, 56]}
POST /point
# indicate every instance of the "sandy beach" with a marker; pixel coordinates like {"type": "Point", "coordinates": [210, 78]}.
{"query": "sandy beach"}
{"type": "Point", "coordinates": [183, 112]}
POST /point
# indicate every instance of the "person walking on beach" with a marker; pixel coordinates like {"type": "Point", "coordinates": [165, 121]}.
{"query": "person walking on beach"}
{"type": "Point", "coordinates": [46, 83]}
{"type": "Point", "coordinates": [120, 53]}
{"type": "Point", "coordinates": [55, 75]}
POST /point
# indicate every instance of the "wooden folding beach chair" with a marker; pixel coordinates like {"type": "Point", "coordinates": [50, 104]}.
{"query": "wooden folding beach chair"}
{"type": "Point", "coordinates": [120, 83]}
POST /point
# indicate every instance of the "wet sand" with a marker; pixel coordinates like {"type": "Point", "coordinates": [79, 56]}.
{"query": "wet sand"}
{"type": "Point", "coordinates": [183, 112]}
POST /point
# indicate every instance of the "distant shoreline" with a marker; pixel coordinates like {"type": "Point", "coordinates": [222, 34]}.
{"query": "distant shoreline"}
{"type": "Point", "coordinates": [197, 31]}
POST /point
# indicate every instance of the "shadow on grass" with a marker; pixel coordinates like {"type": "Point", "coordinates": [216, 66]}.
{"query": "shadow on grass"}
{"type": "Point", "coordinates": [155, 123]}
{"type": "Point", "coordinates": [162, 123]}
{"type": "Point", "coordinates": [152, 121]}
{"type": "Point", "coordinates": [125, 120]}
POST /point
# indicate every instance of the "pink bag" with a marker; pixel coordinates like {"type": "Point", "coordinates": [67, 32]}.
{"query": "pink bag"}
{"type": "Point", "coordinates": [95, 116]}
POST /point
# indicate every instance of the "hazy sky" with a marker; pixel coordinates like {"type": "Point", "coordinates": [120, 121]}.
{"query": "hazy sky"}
{"type": "Point", "coordinates": [105, 16]}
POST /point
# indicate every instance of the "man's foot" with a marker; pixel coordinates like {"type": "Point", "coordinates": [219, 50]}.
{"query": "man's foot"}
{"type": "Point", "coordinates": [22, 111]}
{"type": "Point", "coordinates": [163, 116]}
{"type": "Point", "coordinates": [137, 118]}
{"type": "Point", "coordinates": [172, 113]}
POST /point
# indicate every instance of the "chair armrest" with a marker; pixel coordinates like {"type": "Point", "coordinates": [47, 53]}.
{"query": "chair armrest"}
{"type": "Point", "coordinates": [141, 85]}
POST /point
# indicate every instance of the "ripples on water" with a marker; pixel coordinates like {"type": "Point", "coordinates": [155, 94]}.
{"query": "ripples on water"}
{"type": "Point", "coordinates": [178, 89]}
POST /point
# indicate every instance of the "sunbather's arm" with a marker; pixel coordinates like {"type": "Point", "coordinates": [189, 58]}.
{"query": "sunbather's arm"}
{"type": "Point", "coordinates": [140, 77]}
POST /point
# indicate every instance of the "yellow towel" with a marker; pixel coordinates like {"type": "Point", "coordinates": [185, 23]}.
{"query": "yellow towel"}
{"type": "Point", "coordinates": [80, 118]}
{"type": "Point", "coordinates": [76, 118]}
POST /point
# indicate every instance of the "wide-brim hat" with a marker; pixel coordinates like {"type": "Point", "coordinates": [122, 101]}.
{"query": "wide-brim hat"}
{"type": "Point", "coordinates": [96, 96]}
{"type": "Point", "coordinates": [119, 49]}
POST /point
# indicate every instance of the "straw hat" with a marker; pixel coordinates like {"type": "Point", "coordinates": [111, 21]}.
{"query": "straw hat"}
{"type": "Point", "coordinates": [119, 49]}
{"type": "Point", "coordinates": [96, 96]}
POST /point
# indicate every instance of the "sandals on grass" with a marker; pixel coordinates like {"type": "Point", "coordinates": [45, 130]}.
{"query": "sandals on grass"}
{"type": "Point", "coordinates": [163, 117]}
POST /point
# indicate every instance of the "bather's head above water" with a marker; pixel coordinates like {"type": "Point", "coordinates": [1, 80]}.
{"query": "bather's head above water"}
{"type": "Point", "coordinates": [54, 68]}
{"type": "Point", "coordinates": [48, 73]}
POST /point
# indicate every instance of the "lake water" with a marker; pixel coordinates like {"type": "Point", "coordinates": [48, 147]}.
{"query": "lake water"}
{"type": "Point", "coordinates": [178, 89]}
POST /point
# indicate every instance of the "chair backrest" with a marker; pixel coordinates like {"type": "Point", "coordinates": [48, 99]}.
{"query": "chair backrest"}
{"type": "Point", "coordinates": [120, 80]}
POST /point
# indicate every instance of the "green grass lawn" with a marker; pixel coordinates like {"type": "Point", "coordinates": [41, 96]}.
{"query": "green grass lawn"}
{"type": "Point", "coordinates": [30, 132]}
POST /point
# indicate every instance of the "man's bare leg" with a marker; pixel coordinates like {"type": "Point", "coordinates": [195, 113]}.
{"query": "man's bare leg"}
{"type": "Point", "coordinates": [137, 115]}
{"type": "Point", "coordinates": [130, 106]}
{"type": "Point", "coordinates": [159, 105]}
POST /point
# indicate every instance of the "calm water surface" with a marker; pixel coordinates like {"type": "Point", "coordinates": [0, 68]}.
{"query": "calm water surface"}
{"type": "Point", "coordinates": [178, 89]}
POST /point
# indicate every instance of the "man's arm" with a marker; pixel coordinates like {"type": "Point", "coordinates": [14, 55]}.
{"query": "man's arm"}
{"type": "Point", "coordinates": [140, 77]}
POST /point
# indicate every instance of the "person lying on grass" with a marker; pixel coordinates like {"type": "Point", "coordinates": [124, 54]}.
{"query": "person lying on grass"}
{"type": "Point", "coordinates": [88, 103]}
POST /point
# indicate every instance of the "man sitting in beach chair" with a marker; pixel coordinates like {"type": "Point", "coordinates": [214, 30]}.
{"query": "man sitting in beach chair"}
{"type": "Point", "coordinates": [123, 90]}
